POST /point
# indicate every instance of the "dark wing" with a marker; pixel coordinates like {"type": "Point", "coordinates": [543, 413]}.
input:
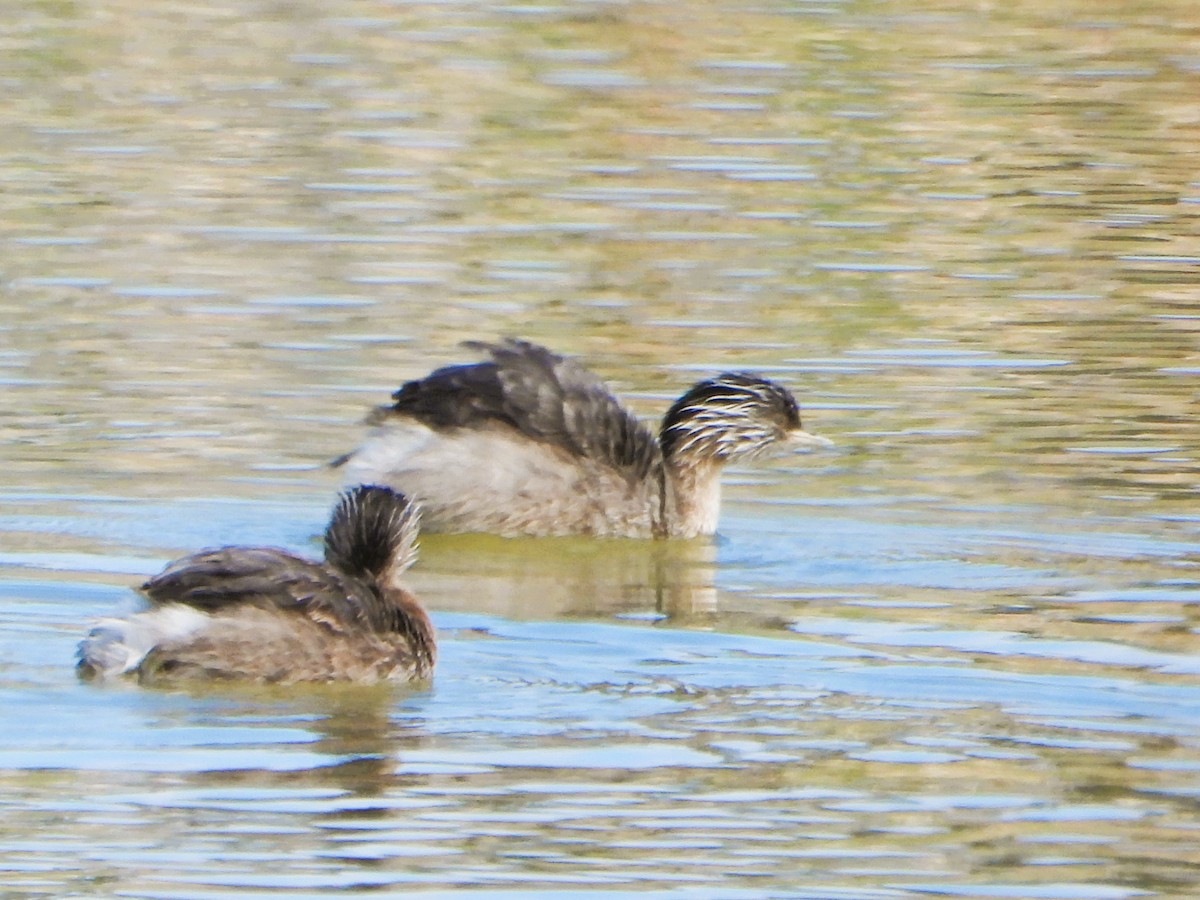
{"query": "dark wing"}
{"type": "Point", "coordinates": [259, 576]}
{"type": "Point", "coordinates": [540, 394]}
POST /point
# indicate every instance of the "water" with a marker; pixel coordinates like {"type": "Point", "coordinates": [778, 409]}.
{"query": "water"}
{"type": "Point", "coordinates": [955, 657]}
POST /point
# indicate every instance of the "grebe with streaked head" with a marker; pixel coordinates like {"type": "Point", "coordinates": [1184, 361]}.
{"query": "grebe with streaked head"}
{"type": "Point", "coordinates": [531, 443]}
{"type": "Point", "coordinates": [263, 614]}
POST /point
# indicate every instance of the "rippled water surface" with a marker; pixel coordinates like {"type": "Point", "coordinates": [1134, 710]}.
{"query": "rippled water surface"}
{"type": "Point", "coordinates": [957, 656]}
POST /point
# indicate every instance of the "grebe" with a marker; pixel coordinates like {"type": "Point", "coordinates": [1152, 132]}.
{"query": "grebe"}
{"type": "Point", "coordinates": [264, 614]}
{"type": "Point", "coordinates": [530, 443]}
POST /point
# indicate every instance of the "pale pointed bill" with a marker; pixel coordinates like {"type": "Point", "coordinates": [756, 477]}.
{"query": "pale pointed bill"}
{"type": "Point", "coordinates": [802, 441]}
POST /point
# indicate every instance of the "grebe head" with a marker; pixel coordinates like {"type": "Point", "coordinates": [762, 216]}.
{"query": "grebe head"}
{"type": "Point", "coordinates": [732, 416]}
{"type": "Point", "coordinates": [372, 534]}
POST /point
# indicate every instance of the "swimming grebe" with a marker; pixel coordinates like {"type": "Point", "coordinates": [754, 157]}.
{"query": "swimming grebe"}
{"type": "Point", "coordinates": [264, 614]}
{"type": "Point", "coordinates": [530, 443]}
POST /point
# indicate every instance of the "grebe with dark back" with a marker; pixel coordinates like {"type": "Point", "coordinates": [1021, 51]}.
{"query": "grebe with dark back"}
{"type": "Point", "coordinates": [531, 443]}
{"type": "Point", "coordinates": [264, 614]}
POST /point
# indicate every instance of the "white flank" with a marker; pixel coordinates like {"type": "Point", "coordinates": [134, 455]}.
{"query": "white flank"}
{"type": "Point", "coordinates": [118, 646]}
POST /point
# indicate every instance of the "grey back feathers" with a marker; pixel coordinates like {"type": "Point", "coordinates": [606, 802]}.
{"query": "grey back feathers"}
{"type": "Point", "coordinates": [371, 537]}
{"type": "Point", "coordinates": [538, 393]}
{"type": "Point", "coordinates": [213, 580]}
